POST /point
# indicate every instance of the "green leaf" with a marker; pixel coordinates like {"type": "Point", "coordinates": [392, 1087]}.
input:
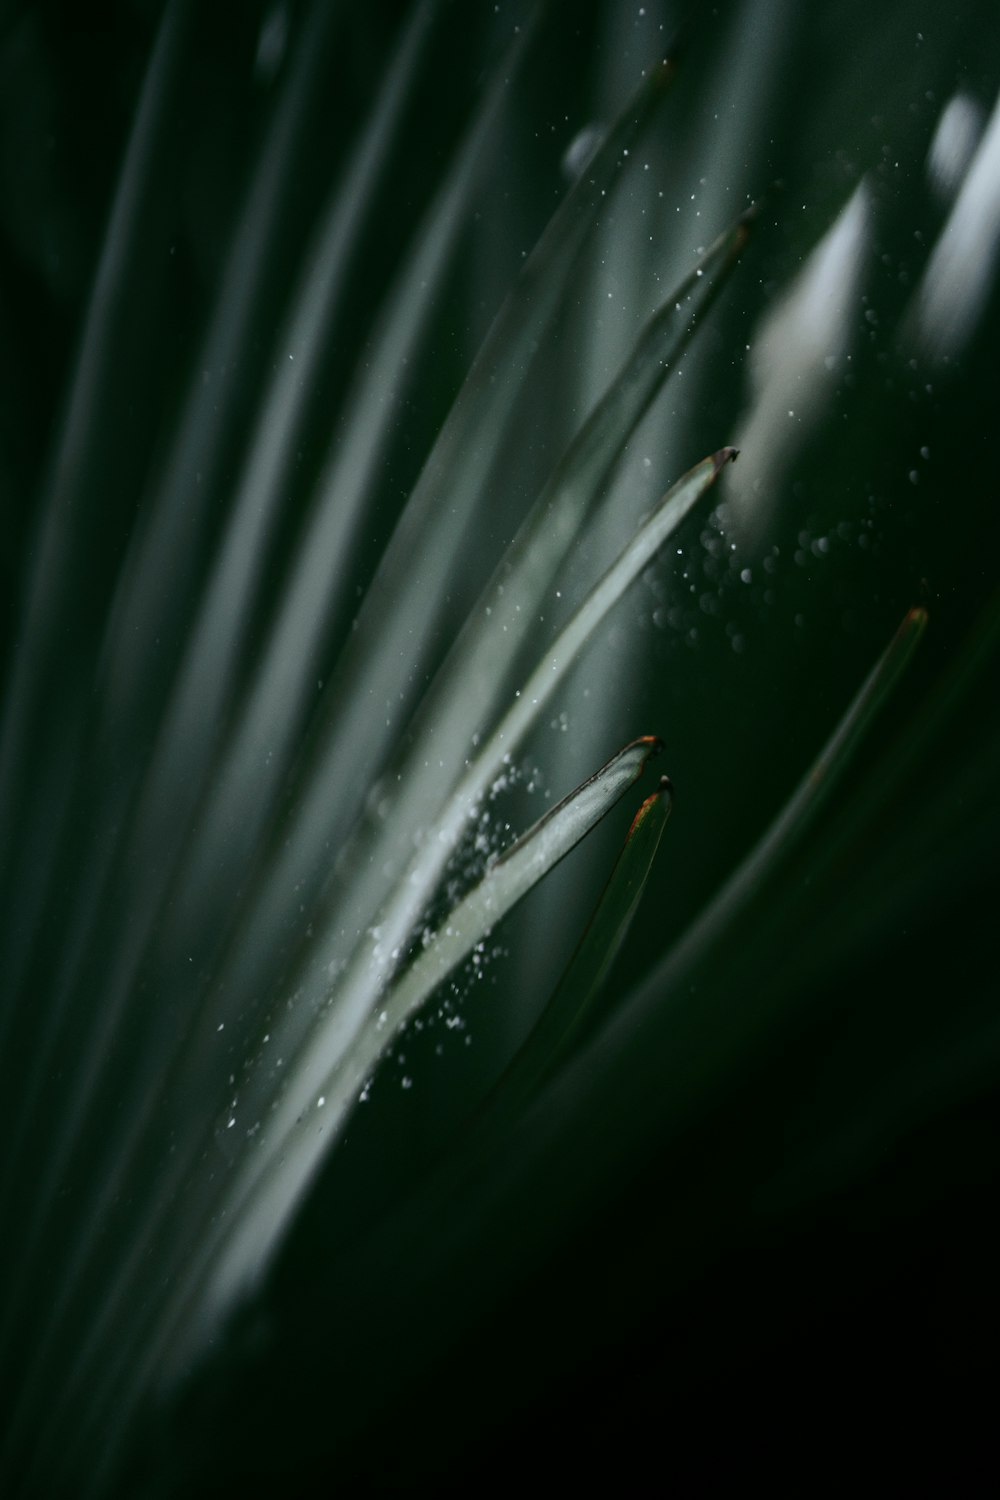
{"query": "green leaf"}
{"type": "Point", "coordinates": [464, 700]}
{"type": "Point", "coordinates": [574, 1002]}
{"type": "Point", "coordinates": [320, 1095]}
{"type": "Point", "coordinates": [798, 814]}
{"type": "Point", "coordinates": [372, 963]}
{"type": "Point", "coordinates": [428, 530]}
{"type": "Point", "coordinates": [253, 1206]}
{"type": "Point", "coordinates": [521, 867]}
{"type": "Point", "coordinates": [398, 615]}
{"type": "Point", "coordinates": [677, 1037]}
{"type": "Point", "coordinates": [395, 619]}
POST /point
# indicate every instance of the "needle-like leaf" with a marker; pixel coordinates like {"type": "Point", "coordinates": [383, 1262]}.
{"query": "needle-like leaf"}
{"type": "Point", "coordinates": [303, 1128]}
{"type": "Point", "coordinates": [245, 1212]}
{"type": "Point", "coordinates": [371, 966]}
{"type": "Point", "coordinates": [575, 1000]}
{"type": "Point", "coordinates": [462, 705]}
{"type": "Point", "coordinates": [806, 802]}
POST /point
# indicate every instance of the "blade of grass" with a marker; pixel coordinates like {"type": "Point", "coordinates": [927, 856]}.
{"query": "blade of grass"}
{"type": "Point", "coordinates": [462, 703]}
{"type": "Point", "coordinates": [340, 1020]}
{"type": "Point", "coordinates": [671, 1041]}
{"type": "Point", "coordinates": [371, 965]}
{"type": "Point", "coordinates": [434, 521]}
{"type": "Point", "coordinates": [679, 1004]}
{"type": "Point", "coordinates": [237, 809]}
{"type": "Point", "coordinates": [896, 874]}
{"type": "Point", "coordinates": [520, 868]}
{"type": "Point", "coordinates": [381, 660]}
{"type": "Point", "coordinates": [466, 694]}
{"type": "Point", "coordinates": [322, 576]}
{"type": "Point", "coordinates": [574, 1003]}
{"type": "Point", "coordinates": [211, 653]}
{"type": "Point", "coordinates": [32, 807]}
{"type": "Point", "coordinates": [150, 615]}
{"type": "Point", "coordinates": [573, 228]}
{"type": "Point", "coordinates": [150, 585]}
{"type": "Point", "coordinates": [150, 588]}
{"type": "Point", "coordinates": [313, 1112]}
{"type": "Point", "coordinates": [806, 802]}
{"type": "Point", "coordinates": [677, 989]}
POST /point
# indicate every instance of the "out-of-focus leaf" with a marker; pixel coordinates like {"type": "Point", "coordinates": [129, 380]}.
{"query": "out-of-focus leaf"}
{"type": "Point", "coordinates": [806, 802]}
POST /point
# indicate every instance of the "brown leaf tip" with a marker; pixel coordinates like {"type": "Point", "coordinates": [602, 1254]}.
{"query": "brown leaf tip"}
{"type": "Point", "coordinates": [724, 456]}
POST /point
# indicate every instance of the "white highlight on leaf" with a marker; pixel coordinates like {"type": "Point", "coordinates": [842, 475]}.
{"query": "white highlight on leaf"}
{"type": "Point", "coordinates": [960, 271]}
{"type": "Point", "coordinates": [797, 356]}
{"type": "Point", "coordinates": [959, 131]}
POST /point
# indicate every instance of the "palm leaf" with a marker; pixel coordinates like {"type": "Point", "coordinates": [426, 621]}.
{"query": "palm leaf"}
{"type": "Point", "coordinates": [311, 465]}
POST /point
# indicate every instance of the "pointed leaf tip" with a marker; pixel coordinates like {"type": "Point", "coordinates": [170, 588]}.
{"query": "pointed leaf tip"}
{"type": "Point", "coordinates": [572, 1010]}
{"type": "Point", "coordinates": [664, 794]}
{"type": "Point", "coordinates": [724, 456]}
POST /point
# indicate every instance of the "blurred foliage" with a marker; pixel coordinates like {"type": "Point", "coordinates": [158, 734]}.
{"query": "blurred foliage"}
{"type": "Point", "coordinates": [755, 1206]}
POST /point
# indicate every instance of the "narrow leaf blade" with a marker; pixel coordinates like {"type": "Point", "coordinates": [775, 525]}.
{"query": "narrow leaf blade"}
{"type": "Point", "coordinates": [301, 1127]}
{"type": "Point", "coordinates": [574, 1001]}
{"type": "Point", "coordinates": [803, 806]}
